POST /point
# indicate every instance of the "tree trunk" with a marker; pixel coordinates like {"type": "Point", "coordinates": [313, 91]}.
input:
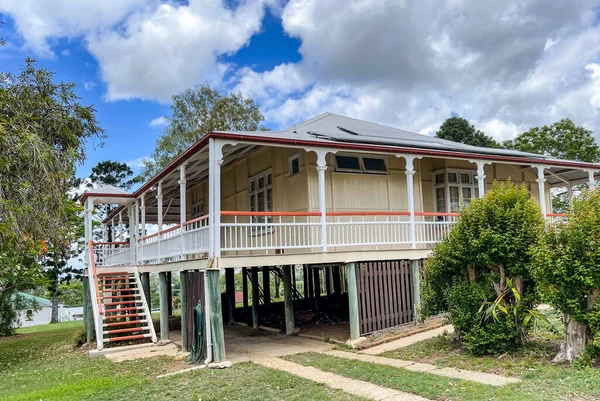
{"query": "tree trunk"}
{"type": "Point", "coordinates": [577, 337]}
{"type": "Point", "coordinates": [54, 318]}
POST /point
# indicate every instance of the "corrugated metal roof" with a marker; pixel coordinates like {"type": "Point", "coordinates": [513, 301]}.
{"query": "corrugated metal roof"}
{"type": "Point", "coordinates": [329, 127]}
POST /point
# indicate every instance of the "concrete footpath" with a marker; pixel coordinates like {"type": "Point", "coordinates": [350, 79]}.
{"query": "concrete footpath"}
{"type": "Point", "coordinates": [479, 377]}
{"type": "Point", "coordinates": [356, 387]}
{"type": "Point", "coordinates": [406, 341]}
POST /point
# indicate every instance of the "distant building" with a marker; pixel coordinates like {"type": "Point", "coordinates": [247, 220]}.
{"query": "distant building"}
{"type": "Point", "coordinates": [39, 311]}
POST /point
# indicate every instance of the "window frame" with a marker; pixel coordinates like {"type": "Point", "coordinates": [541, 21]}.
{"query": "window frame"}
{"type": "Point", "coordinates": [255, 192]}
{"type": "Point", "coordinates": [473, 185]}
{"type": "Point", "coordinates": [295, 156]}
{"type": "Point", "coordinates": [362, 169]}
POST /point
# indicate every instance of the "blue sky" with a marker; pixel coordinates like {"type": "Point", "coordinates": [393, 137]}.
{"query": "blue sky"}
{"type": "Point", "coordinates": [504, 65]}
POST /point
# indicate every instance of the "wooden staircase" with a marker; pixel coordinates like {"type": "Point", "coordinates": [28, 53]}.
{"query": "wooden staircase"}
{"type": "Point", "coordinates": [124, 313]}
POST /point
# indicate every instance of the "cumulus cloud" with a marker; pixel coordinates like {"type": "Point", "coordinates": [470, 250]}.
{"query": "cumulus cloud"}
{"type": "Point", "coordinates": [504, 65]}
{"type": "Point", "coordinates": [173, 47]}
{"type": "Point", "coordinates": [40, 22]}
{"type": "Point", "coordinates": [158, 122]}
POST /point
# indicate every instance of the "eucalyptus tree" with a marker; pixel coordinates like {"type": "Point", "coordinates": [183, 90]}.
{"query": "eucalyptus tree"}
{"type": "Point", "coordinates": [196, 112]}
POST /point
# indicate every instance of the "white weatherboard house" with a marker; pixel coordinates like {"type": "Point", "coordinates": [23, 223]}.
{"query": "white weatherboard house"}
{"type": "Point", "coordinates": [38, 311]}
{"type": "Point", "coordinates": [358, 205]}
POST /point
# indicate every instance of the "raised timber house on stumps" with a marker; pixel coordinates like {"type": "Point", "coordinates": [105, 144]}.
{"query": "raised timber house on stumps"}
{"type": "Point", "coordinates": [342, 211]}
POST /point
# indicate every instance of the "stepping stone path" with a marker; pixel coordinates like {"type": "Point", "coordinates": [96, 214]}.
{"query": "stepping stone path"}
{"type": "Point", "coordinates": [356, 387]}
{"type": "Point", "coordinates": [406, 341]}
{"type": "Point", "coordinates": [479, 377]}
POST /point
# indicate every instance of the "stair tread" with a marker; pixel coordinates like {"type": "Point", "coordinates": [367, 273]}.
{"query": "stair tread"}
{"type": "Point", "coordinates": [125, 316]}
{"type": "Point", "coordinates": [128, 330]}
{"type": "Point", "coordinates": [134, 337]}
{"type": "Point", "coordinates": [125, 323]}
{"type": "Point", "coordinates": [121, 296]}
{"type": "Point", "coordinates": [132, 301]}
{"type": "Point", "coordinates": [122, 309]}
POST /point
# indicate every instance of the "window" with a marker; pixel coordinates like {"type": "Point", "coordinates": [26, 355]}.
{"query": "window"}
{"type": "Point", "coordinates": [453, 189]}
{"type": "Point", "coordinates": [294, 164]}
{"type": "Point", "coordinates": [360, 164]}
{"type": "Point", "coordinates": [347, 163]}
{"type": "Point", "coordinates": [29, 315]}
{"type": "Point", "coordinates": [197, 209]}
{"type": "Point", "coordinates": [260, 195]}
{"type": "Point", "coordinates": [374, 164]}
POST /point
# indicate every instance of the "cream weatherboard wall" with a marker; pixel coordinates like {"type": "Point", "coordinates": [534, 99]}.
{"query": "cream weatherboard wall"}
{"type": "Point", "coordinates": [345, 192]}
{"type": "Point", "coordinates": [493, 172]}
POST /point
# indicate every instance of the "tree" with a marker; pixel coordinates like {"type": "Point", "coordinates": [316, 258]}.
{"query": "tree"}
{"type": "Point", "coordinates": [113, 173]}
{"type": "Point", "coordinates": [71, 293]}
{"type": "Point", "coordinates": [196, 112]}
{"type": "Point", "coordinates": [458, 129]}
{"type": "Point", "coordinates": [64, 243]}
{"type": "Point", "coordinates": [563, 140]}
{"type": "Point", "coordinates": [484, 265]}
{"type": "Point", "coordinates": [43, 131]}
{"type": "Point", "coordinates": [567, 270]}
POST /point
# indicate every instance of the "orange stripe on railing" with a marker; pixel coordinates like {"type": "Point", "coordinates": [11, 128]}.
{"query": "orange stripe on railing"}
{"type": "Point", "coordinates": [436, 214]}
{"type": "Point", "coordinates": [187, 223]}
{"type": "Point", "coordinates": [267, 214]}
{"type": "Point", "coordinates": [111, 243]}
{"type": "Point", "coordinates": [95, 274]}
{"type": "Point", "coordinates": [556, 215]}
{"type": "Point", "coordinates": [359, 213]}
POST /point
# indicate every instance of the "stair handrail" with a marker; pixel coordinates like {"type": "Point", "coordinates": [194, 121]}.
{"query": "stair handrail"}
{"type": "Point", "coordinates": [95, 276]}
{"type": "Point", "coordinates": [145, 305]}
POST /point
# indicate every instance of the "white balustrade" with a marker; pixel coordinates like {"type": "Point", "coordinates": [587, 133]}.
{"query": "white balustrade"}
{"type": "Point", "coordinates": [433, 230]}
{"type": "Point", "coordinates": [195, 236]}
{"type": "Point", "coordinates": [272, 232]}
{"type": "Point", "coordinates": [112, 253]}
{"type": "Point", "coordinates": [367, 229]}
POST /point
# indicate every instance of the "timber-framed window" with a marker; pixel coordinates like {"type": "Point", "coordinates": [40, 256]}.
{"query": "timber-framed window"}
{"type": "Point", "coordinates": [454, 188]}
{"type": "Point", "coordinates": [294, 164]}
{"type": "Point", "coordinates": [260, 196]}
{"type": "Point", "coordinates": [360, 164]}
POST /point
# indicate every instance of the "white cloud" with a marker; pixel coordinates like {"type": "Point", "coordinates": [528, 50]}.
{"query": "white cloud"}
{"type": "Point", "coordinates": [161, 52]}
{"type": "Point", "coordinates": [506, 66]}
{"type": "Point", "coordinates": [88, 85]}
{"type": "Point", "coordinates": [158, 122]}
{"type": "Point", "coordinates": [136, 164]}
{"type": "Point", "coordinates": [40, 22]}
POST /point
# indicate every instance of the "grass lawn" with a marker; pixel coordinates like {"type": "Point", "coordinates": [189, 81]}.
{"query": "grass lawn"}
{"type": "Point", "coordinates": [41, 363]}
{"type": "Point", "coordinates": [541, 380]}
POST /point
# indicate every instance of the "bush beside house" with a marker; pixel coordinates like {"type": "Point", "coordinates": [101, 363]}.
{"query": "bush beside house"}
{"type": "Point", "coordinates": [481, 274]}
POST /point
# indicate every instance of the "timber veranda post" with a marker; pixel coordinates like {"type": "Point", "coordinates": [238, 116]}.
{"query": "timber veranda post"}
{"type": "Point", "coordinates": [353, 300]}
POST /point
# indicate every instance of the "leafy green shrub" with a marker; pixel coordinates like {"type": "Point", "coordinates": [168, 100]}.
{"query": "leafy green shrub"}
{"type": "Point", "coordinates": [485, 262]}
{"type": "Point", "coordinates": [567, 270]}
